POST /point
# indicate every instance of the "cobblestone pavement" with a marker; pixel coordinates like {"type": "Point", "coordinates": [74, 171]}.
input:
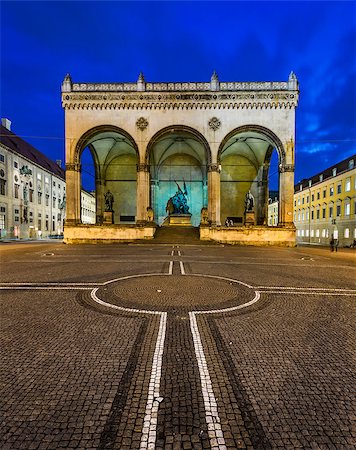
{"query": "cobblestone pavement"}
{"type": "Point", "coordinates": [176, 347]}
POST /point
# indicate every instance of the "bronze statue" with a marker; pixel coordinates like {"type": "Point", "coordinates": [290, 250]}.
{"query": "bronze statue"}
{"type": "Point", "coordinates": [109, 200]}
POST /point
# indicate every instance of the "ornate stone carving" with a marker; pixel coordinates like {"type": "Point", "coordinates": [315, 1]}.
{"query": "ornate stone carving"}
{"type": "Point", "coordinates": [214, 167]}
{"type": "Point", "coordinates": [142, 167]}
{"type": "Point", "coordinates": [142, 123]}
{"type": "Point", "coordinates": [286, 168]}
{"type": "Point", "coordinates": [214, 123]}
{"type": "Point", "coordinates": [75, 166]}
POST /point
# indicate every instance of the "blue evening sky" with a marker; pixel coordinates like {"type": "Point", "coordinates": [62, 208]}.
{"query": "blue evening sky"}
{"type": "Point", "coordinates": [113, 41]}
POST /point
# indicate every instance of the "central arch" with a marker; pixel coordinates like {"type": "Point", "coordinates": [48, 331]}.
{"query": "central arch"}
{"type": "Point", "coordinates": [176, 155]}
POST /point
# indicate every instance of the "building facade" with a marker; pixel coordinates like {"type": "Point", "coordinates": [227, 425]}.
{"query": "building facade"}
{"type": "Point", "coordinates": [325, 205]}
{"type": "Point", "coordinates": [149, 139]}
{"type": "Point", "coordinates": [32, 191]}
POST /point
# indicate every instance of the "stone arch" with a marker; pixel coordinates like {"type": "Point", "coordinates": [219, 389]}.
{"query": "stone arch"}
{"type": "Point", "coordinates": [256, 129]}
{"type": "Point", "coordinates": [178, 155]}
{"type": "Point", "coordinates": [115, 155]}
{"type": "Point", "coordinates": [84, 140]}
{"type": "Point", "coordinates": [178, 129]}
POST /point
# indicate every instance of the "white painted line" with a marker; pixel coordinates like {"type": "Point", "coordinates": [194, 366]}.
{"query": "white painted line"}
{"type": "Point", "coordinates": [348, 294]}
{"type": "Point", "coordinates": [170, 270]}
{"type": "Point", "coordinates": [212, 418]}
{"type": "Point", "coordinates": [52, 284]}
{"type": "Point", "coordinates": [221, 278]}
{"type": "Point", "coordinates": [232, 308]}
{"type": "Point", "coordinates": [182, 267]}
{"type": "Point", "coordinates": [148, 438]}
{"type": "Point", "coordinates": [44, 288]}
{"type": "Point", "coordinates": [305, 288]}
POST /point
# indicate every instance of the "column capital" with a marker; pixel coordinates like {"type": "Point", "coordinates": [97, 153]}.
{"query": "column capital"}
{"type": "Point", "coordinates": [214, 167]}
{"type": "Point", "coordinates": [73, 166]}
{"type": "Point", "coordinates": [142, 167]}
{"type": "Point", "coordinates": [286, 168]}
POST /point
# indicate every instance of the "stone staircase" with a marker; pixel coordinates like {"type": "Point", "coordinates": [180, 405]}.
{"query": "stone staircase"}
{"type": "Point", "coordinates": [177, 235]}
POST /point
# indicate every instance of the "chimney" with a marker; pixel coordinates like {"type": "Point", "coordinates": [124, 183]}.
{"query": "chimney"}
{"type": "Point", "coordinates": [59, 162]}
{"type": "Point", "coordinates": [6, 123]}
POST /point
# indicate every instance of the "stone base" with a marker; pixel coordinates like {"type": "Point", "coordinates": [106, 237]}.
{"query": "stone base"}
{"type": "Point", "coordinates": [249, 218]}
{"type": "Point", "coordinates": [252, 235]}
{"type": "Point", "coordinates": [98, 234]}
{"type": "Point", "coordinates": [178, 220]}
{"type": "Point", "coordinates": [108, 217]}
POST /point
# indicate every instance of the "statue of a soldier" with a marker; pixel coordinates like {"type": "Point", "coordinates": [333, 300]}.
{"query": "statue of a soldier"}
{"type": "Point", "coordinates": [109, 201]}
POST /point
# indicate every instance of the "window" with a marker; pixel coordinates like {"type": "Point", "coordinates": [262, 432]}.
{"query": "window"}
{"type": "Point", "coordinates": [303, 233]}
{"type": "Point", "coordinates": [317, 233]}
{"type": "Point", "coordinates": [2, 157]}
{"type": "Point", "coordinates": [312, 197]}
{"type": "Point", "coordinates": [347, 209]}
{"type": "Point", "coordinates": [298, 200]}
{"type": "Point", "coordinates": [307, 233]}
{"type": "Point", "coordinates": [54, 184]}
{"type": "Point", "coordinates": [312, 215]}
{"type": "Point", "coordinates": [16, 164]}
{"type": "Point", "coordinates": [347, 233]}
{"type": "Point", "coordinates": [303, 215]}
{"type": "Point", "coordinates": [338, 210]}
{"type": "Point", "coordinates": [331, 211]}
{"type": "Point", "coordinates": [309, 183]}
{"type": "Point", "coordinates": [331, 191]}
{"type": "Point", "coordinates": [303, 201]}
{"type": "Point", "coordinates": [46, 224]}
{"type": "Point", "coordinates": [39, 224]}
{"type": "Point", "coordinates": [16, 189]}
{"type": "Point", "coordinates": [311, 233]}
{"type": "Point", "coordinates": [318, 195]}
{"type": "Point", "coordinates": [307, 198]}
{"type": "Point", "coordinates": [317, 214]}
{"type": "Point", "coordinates": [47, 200]}
{"type": "Point", "coordinates": [2, 186]}
{"type": "Point", "coordinates": [323, 233]}
{"type": "Point", "coordinates": [299, 217]}
{"type": "Point", "coordinates": [31, 195]}
{"type": "Point", "coordinates": [2, 221]}
{"type": "Point", "coordinates": [324, 193]}
{"type": "Point", "coordinates": [347, 184]}
{"type": "Point", "coordinates": [39, 177]}
{"type": "Point", "coordinates": [351, 164]}
{"type": "Point", "coordinates": [39, 198]}
{"type": "Point", "coordinates": [54, 202]}
{"type": "Point", "coordinates": [321, 177]}
{"type": "Point", "coordinates": [307, 215]}
{"type": "Point", "coordinates": [339, 188]}
{"type": "Point", "coordinates": [334, 171]}
{"type": "Point", "coordinates": [324, 213]}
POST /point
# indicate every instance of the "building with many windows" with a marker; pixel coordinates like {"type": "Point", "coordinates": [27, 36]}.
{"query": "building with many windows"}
{"type": "Point", "coordinates": [32, 191]}
{"type": "Point", "coordinates": [325, 205]}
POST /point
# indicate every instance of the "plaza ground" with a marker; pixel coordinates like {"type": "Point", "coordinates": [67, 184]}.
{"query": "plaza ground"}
{"type": "Point", "coordinates": [173, 346]}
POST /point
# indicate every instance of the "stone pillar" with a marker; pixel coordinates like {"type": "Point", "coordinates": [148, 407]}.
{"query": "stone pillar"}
{"type": "Point", "coordinates": [286, 195]}
{"type": "Point", "coordinates": [73, 186]}
{"type": "Point", "coordinates": [99, 201]}
{"type": "Point", "coordinates": [143, 192]}
{"type": "Point", "coordinates": [214, 194]}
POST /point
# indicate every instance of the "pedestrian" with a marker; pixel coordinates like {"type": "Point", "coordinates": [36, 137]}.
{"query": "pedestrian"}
{"type": "Point", "coordinates": [231, 223]}
{"type": "Point", "coordinates": [336, 243]}
{"type": "Point", "coordinates": [332, 242]}
{"type": "Point", "coordinates": [227, 223]}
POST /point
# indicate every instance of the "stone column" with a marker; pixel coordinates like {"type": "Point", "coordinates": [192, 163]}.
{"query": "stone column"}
{"type": "Point", "coordinates": [214, 194]}
{"type": "Point", "coordinates": [286, 195]}
{"type": "Point", "coordinates": [99, 200]}
{"type": "Point", "coordinates": [262, 194]}
{"type": "Point", "coordinates": [73, 186]}
{"type": "Point", "coordinates": [143, 192]}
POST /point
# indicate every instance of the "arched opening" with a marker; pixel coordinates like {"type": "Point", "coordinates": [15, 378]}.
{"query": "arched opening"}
{"type": "Point", "coordinates": [245, 157]}
{"type": "Point", "coordinates": [178, 155]}
{"type": "Point", "coordinates": [108, 158]}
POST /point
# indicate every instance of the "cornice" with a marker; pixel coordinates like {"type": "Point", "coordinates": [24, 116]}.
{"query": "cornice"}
{"type": "Point", "coordinates": [281, 99]}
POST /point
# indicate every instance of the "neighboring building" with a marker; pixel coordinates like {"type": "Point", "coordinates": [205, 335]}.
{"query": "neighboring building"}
{"type": "Point", "coordinates": [88, 207]}
{"type": "Point", "coordinates": [32, 191]}
{"type": "Point", "coordinates": [273, 209]}
{"type": "Point", "coordinates": [325, 205]}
